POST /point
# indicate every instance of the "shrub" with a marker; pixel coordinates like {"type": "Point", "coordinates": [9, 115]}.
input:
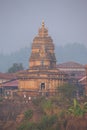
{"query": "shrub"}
{"type": "Point", "coordinates": [37, 101]}
{"type": "Point", "coordinates": [28, 114]}
{"type": "Point", "coordinates": [47, 122]}
{"type": "Point", "coordinates": [27, 126]}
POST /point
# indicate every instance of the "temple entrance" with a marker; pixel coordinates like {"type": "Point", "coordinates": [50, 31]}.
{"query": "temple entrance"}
{"type": "Point", "coordinates": [42, 86]}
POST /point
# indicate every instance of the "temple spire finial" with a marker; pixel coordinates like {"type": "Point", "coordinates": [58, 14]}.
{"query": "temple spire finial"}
{"type": "Point", "coordinates": [43, 32]}
{"type": "Point", "coordinates": [43, 23]}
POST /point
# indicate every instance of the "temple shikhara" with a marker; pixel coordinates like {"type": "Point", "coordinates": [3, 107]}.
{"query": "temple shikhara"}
{"type": "Point", "coordinates": [42, 77]}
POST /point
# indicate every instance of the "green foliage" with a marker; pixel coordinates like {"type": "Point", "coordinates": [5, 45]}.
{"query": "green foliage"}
{"type": "Point", "coordinates": [62, 114]}
{"type": "Point", "coordinates": [21, 127]}
{"type": "Point", "coordinates": [15, 67]}
{"type": "Point", "coordinates": [67, 91]}
{"type": "Point", "coordinates": [28, 114]}
{"type": "Point", "coordinates": [37, 101]}
{"type": "Point", "coordinates": [27, 126]}
{"type": "Point", "coordinates": [44, 105]}
{"type": "Point", "coordinates": [47, 107]}
{"type": "Point", "coordinates": [47, 122]}
{"type": "Point", "coordinates": [47, 104]}
{"type": "Point", "coordinates": [85, 106]}
{"type": "Point", "coordinates": [54, 120]}
{"type": "Point", "coordinates": [77, 109]}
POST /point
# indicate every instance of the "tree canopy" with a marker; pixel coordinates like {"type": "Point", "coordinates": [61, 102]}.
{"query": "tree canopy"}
{"type": "Point", "coordinates": [67, 91]}
{"type": "Point", "coordinates": [15, 67]}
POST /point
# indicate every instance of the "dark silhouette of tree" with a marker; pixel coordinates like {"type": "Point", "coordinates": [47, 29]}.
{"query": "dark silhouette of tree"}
{"type": "Point", "coordinates": [15, 67]}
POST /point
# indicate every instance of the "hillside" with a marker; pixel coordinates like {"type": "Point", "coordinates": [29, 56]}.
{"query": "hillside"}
{"type": "Point", "coordinates": [42, 114]}
{"type": "Point", "coordinates": [70, 52]}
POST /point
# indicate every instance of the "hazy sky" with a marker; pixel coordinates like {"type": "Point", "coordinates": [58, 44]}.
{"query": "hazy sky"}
{"type": "Point", "coordinates": [20, 20]}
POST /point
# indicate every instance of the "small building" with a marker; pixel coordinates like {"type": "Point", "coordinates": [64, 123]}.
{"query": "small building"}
{"type": "Point", "coordinates": [73, 69]}
{"type": "Point", "coordinates": [9, 88]}
{"type": "Point", "coordinates": [76, 74]}
{"type": "Point", "coordinates": [83, 80]}
{"type": "Point", "coordinates": [4, 77]}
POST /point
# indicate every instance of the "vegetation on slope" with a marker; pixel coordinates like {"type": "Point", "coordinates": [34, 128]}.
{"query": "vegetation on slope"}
{"type": "Point", "coordinates": [58, 112]}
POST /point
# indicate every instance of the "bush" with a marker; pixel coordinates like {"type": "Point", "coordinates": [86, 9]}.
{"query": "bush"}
{"type": "Point", "coordinates": [37, 101]}
{"type": "Point", "coordinates": [27, 126]}
{"type": "Point", "coordinates": [28, 114]}
{"type": "Point", "coordinates": [47, 122]}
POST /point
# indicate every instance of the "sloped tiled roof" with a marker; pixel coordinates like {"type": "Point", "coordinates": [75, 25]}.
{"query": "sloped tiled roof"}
{"type": "Point", "coordinates": [70, 64]}
{"type": "Point", "coordinates": [7, 76]}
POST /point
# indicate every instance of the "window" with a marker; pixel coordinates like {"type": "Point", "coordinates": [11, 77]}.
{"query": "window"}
{"type": "Point", "coordinates": [42, 86]}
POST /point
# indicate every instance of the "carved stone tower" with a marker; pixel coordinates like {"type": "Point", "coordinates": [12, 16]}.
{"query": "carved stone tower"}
{"type": "Point", "coordinates": [42, 54]}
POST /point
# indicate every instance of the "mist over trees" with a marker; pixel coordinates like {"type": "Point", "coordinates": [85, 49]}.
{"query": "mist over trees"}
{"type": "Point", "coordinates": [15, 68]}
{"type": "Point", "coordinates": [69, 52]}
{"type": "Point", "coordinates": [21, 56]}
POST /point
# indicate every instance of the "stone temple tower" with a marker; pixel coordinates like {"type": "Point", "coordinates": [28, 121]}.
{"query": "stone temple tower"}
{"type": "Point", "coordinates": [42, 50]}
{"type": "Point", "coordinates": [42, 77]}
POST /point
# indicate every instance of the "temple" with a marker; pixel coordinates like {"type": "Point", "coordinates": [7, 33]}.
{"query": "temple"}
{"type": "Point", "coordinates": [42, 77]}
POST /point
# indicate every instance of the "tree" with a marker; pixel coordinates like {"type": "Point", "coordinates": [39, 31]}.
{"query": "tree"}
{"type": "Point", "coordinates": [67, 91]}
{"type": "Point", "coordinates": [15, 67]}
